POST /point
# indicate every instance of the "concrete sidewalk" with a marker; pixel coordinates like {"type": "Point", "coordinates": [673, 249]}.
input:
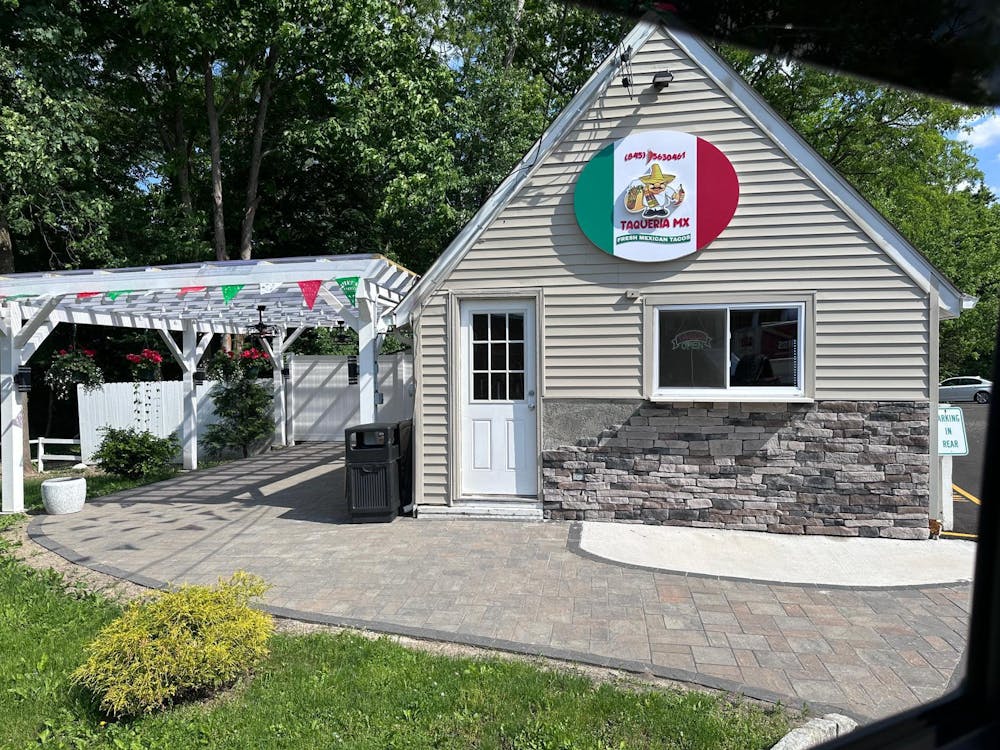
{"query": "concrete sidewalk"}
{"type": "Point", "coordinates": [522, 587]}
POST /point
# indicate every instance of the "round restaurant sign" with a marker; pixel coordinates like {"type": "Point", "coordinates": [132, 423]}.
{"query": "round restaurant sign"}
{"type": "Point", "coordinates": [656, 195]}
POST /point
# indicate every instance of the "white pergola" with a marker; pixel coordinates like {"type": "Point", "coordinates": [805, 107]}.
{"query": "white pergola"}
{"type": "Point", "coordinates": [199, 300]}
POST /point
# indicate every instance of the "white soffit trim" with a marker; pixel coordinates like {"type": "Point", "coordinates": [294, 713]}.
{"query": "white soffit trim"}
{"type": "Point", "coordinates": [840, 191]}
{"type": "Point", "coordinates": [525, 169]}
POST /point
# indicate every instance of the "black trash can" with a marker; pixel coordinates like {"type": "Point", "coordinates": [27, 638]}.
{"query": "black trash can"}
{"type": "Point", "coordinates": [373, 476]}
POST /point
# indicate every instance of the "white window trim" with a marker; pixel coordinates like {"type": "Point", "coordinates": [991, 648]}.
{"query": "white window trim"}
{"type": "Point", "coordinates": [782, 394]}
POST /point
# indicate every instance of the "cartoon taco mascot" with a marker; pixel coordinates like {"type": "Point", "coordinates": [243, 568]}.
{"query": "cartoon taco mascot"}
{"type": "Point", "coordinates": [654, 197]}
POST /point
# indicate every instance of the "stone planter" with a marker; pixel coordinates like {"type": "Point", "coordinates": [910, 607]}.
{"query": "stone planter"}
{"type": "Point", "coordinates": [64, 495]}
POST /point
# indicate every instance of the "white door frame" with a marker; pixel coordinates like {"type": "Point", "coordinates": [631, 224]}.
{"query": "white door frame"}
{"type": "Point", "coordinates": [533, 296]}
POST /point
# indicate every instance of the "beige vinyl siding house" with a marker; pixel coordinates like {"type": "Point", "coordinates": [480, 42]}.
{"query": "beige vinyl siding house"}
{"type": "Point", "coordinates": [869, 307]}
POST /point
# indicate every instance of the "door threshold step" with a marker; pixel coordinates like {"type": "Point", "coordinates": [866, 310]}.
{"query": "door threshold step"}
{"type": "Point", "coordinates": [509, 509]}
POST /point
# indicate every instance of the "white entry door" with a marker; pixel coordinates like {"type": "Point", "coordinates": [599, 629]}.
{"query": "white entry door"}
{"type": "Point", "coordinates": [498, 437]}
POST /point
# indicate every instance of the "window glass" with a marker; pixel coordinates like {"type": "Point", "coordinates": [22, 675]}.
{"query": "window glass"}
{"type": "Point", "coordinates": [763, 347]}
{"type": "Point", "coordinates": [479, 327]}
{"type": "Point", "coordinates": [498, 360]}
{"type": "Point", "coordinates": [692, 348]}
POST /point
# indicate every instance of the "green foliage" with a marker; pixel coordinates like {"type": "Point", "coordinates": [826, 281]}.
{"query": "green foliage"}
{"type": "Point", "coordinates": [898, 148]}
{"type": "Point", "coordinates": [322, 690]}
{"type": "Point", "coordinates": [72, 367]}
{"type": "Point", "coordinates": [135, 453]}
{"type": "Point", "coordinates": [242, 405]}
{"type": "Point", "coordinates": [182, 644]}
{"type": "Point", "coordinates": [44, 626]}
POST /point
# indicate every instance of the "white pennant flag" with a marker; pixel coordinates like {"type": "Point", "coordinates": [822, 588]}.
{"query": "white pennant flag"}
{"type": "Point", "coordinates": [268, 287]}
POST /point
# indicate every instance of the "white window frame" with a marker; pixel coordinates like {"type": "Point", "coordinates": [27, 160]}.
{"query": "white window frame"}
{"type": "Point", "coordinates": [733, 393]}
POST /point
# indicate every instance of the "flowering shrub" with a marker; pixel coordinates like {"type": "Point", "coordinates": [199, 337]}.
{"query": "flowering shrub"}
{"type": "Point", "coordinates": [145, 365]}
{"type": "Point", "coordinates": [72, 367]}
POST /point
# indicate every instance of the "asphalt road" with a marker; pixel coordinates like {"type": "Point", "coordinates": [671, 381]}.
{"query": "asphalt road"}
{"type": "Point", "coordinates": [967, 471]}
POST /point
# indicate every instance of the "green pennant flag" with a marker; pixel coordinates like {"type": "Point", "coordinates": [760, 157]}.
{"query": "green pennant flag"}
{"type": "Point", "coordinates": [349, 285]}
{"type": "Point", "coordinates": [231, 290]}
{"type": "Point", "coordinates": [115, 295]}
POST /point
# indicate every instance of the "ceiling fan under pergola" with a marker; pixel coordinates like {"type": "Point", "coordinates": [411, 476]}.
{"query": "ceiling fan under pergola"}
{"type": "Point", "coordinates": [260, 328]}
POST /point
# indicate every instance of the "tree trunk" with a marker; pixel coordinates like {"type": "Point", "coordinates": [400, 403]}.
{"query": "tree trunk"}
{"type": "Point", "coordinates": [6, 248]}
{"type": "Point", "coordinates": [182, 155]}
{"type": "Point", "coordinates": [512, 44]}
{"type": "Point", "coordinates": [218, 218]}
{"type": "Point", "coordinates": [253, 179]}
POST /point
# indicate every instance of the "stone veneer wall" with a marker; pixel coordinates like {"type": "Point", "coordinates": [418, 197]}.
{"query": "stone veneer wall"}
{"type": "Point", "coordinates": [845, 468]}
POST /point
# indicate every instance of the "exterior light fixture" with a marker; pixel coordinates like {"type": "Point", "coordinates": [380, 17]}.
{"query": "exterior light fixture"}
{"type": "Point", "coordinates": [341, 333]}
{"type": "Point", "coordinates": [22, 379]}
{"type": "Point", "coordinates": [662, 79]}
{"type": "Point", "coordinates": [200, 376]}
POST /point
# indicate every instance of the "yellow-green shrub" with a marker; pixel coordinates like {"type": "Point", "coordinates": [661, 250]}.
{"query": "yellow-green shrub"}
{"type": "Point", "coordinates": [180, 644]}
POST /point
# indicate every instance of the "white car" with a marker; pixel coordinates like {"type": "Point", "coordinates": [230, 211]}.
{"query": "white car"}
{"type": "Point", "coordinates": [966, 389]}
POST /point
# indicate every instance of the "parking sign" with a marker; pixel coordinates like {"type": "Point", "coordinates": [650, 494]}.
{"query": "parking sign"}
{"type": "Point", "coordinates": [951, 432]}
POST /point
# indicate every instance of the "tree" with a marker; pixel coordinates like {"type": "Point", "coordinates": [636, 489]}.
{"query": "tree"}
{"type": "Point", "coordinates": [899, 149]}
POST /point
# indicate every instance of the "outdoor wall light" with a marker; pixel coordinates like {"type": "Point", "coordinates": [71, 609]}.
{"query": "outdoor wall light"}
{"type": "Point", "coordinates": [200, 376]}
{"type": "Point", "coordinates": [341, 333]}
{"type": "Point", "coordinates": [662, 79]}
{"type": "Point", "coordinates": [22, 379]}
{"type": "Point", "coordinates": [286, 372]}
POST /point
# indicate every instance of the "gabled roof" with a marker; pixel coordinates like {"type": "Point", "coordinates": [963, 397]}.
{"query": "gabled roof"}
{"type": "Point", "coordinates": [910, 260]}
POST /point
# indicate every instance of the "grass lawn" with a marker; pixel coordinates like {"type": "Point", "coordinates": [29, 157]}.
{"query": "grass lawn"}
{"type": "Point", "coordinates": [331, 691]}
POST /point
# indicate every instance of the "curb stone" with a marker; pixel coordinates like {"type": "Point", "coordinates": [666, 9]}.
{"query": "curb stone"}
{"type": "Point", "coordinates": [816, 731]}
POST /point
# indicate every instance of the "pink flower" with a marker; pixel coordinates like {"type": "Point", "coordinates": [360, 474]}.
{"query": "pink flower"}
{"type": "Point", "coordinates": [89, 352]}
{"type": "Point", "coordinates": [133, 358]}
{"type": "Point", "coordinates": [247, 354]}
{"type": "Point", "coordinates": [62, 352]}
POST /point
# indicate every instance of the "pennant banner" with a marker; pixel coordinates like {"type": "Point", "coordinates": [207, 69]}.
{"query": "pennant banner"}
{"type": "Point", "coordinates": [231, 290]}
{"type": "Point", "coordinates": [115, 295]}
{"type": "Point", "coordinates": [349, 284]}
{"type": "Point", "coordinates": [185, 289]}
{"type": "Point", "coordinates": [268, 287]}
{"type": "Point", "coordinates": [309, 291]}
{"type": "Point", "coordinates": [87, 295]}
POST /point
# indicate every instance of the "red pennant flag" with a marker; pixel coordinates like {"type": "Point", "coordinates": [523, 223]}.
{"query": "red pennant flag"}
{"type": "Point", "coordinates": [309, 291]}
{"type": "Point", "coordinates": [185, 289]}
{"type": "Point", "coordinates": [87, 295]}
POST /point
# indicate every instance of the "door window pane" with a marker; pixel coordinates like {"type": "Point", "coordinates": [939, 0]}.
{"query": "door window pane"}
{"type": "Point", "coordinates": [498, 327]}
{"type": "Point", "coordinates": [517, 356]}
{"type": "Point", "coordinates": [498, 356]}
{"type": "Point", "coordinates": [516, 389]}
{"type": "Point", "coordinates": [516, 323]}
{"type": "Point", "coordinates": [764, 347]}
{"type": "Point", "coordinates": [480, 325]}
{"type": "Point", "coordinates": [480, 357]}
{"type": "Point", "coordinates": [481, 386]}
{"type": "Point", "coordinates": [692, 348]}
{"type": "Point", "coordinates": [498, 387]}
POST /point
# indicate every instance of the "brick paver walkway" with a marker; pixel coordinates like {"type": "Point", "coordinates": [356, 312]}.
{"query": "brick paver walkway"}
{"type": "Point", "coordinates": [518, 586]}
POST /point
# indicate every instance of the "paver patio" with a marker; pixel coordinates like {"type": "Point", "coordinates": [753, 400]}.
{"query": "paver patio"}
{"type": "Point", "coordinates": [517, 586]}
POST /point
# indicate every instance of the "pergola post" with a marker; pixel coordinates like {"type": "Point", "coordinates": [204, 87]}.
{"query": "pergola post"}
{"type": "Point", "coordinates": [11, 413]}
{"type": "Point", "coordinates": [367, 354]}
{"type": "Point", "coordinates": [276, 350]}
{"type": "Point", "coordinates": [188, 356]}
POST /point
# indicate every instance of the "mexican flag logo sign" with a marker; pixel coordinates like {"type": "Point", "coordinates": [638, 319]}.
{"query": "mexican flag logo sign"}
{"type": "Point", "coordinates": [656, 195]}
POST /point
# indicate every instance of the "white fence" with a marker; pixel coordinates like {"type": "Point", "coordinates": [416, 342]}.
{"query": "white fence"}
{"type": "Point", "coordinates": [157, 407]}
{"type": "Point", "coordinates": [320, 399]}
{"type": "Point", "coordinates": [323, 403]}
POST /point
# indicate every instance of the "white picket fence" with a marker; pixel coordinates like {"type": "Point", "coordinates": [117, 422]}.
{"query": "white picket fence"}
{"type": "Point", "coordinates": [320, 399]}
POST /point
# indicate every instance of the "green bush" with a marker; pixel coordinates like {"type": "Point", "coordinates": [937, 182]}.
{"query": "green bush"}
{"type": "Point", "coordinates": [182, 644]}
{"type": "Point", "coordinates": [135, 453]}
{"type": "Point", "coordinates": [242, 405]}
